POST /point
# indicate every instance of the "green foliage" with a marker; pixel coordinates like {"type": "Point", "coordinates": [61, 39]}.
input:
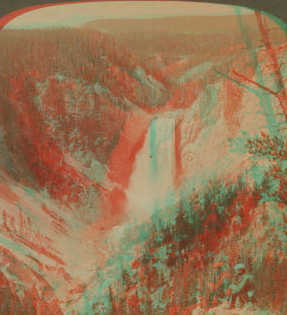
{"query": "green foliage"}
{"type": "Point", "coordinates": [265, 147]}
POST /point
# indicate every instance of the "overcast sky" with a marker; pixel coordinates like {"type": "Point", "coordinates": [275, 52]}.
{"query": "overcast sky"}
{"type": "Point", "coordinates": [77, 14]}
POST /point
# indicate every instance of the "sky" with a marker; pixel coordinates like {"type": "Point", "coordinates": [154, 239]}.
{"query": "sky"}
{"type": "Point", "coordinates": [76, 14]}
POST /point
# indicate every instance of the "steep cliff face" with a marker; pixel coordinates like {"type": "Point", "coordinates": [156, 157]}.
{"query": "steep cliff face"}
{"type": "Point", "coordinates": [192, 138]}
{"type": "Point", "coordinates": [23, 290]}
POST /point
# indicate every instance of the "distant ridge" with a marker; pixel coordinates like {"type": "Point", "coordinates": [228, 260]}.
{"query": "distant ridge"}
{"type": "Point", "coordinates": [179, 24]}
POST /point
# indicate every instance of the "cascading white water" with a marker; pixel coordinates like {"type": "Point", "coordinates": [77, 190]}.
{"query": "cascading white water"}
{"type": "Point", "coordinates": [152, 180]}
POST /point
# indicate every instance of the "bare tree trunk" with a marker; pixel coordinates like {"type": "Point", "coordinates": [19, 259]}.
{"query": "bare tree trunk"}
{"type": "Point", "coordinates": [270, 115]}
{"type": "Point", "coordinates": [274, 62]}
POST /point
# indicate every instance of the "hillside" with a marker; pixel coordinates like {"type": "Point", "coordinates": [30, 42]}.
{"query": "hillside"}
{"type": "Point", "coordinates": [162, 41]}
{"type": "Point", "coordinates": [179, 25]}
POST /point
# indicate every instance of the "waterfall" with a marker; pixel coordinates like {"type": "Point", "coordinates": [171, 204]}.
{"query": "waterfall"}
{"type": "Point", "coordinates": [152, 180]}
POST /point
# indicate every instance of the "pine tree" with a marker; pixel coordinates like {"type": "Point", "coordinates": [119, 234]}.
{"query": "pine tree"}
{"type": "Point", "coordinates": [147, 307]}
{"type": "Point", "coordinates": [111, 309]}
{"type": "Point", "coordinates": [4, 219]}
{"type": "Point", "coordinates": [22, 223]}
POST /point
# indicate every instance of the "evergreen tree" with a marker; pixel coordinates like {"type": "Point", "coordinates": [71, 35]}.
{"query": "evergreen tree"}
{"type": "Point", "coordinates": [4, 218]}
{"type": "Point", "coordinates": [111, 309]}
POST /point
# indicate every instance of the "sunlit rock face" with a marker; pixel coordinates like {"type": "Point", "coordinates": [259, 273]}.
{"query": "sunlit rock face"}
{"type": "Point", "coordinates": [140, 142]}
